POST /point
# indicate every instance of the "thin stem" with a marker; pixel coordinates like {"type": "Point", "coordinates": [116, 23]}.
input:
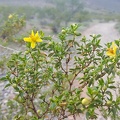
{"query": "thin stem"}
{"type": "Point", "coordinates": [71, 83]}
{"type": "Point", "coordinates": [74, 117]}
{"type": "Point", "coordinates": [67, 62]}
{"type": "Point", "coordinates": [34, 109]}
{"type": "Point", "coordinates": [60, 60]}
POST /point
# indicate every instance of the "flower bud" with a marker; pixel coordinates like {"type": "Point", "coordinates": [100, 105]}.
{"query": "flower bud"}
{"type": "Point", "coordinates": [104, 88]}
{"type": "Point", "coordinates": [10, 16]}
{"type": "Point", "coordinates": [14, 85]}
{"type": "Point", "coordinates": [63, 31]}
{"type": "Point", "coordinates": [20, 99]}
{"type": "Point", "coordinates": [86, 101]}
{"type": "Point", "coordinates": [109, 103]}
{"type": "Point", "coordinates": [38, 111]}
{"type": "Point", "coordinates": [16, 98]}
{"type": "Point", "coordinates": [25, 81]}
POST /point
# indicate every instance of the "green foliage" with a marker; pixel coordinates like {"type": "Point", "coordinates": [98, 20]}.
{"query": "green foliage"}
{"type": "Point", "coordinates": [57, 17]}
{"type": "Point", "coordinates": [45, 78]}
{"type": "Point", "coordinates": [12, 26]}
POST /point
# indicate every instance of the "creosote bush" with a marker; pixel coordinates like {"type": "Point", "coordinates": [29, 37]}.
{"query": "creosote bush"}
{"type": "Point", "coordinates": [70, 77]}
{"type": "Point", "coordinates": [12, 26]}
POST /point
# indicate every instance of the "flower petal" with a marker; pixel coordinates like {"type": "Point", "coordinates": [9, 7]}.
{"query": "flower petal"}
{"type": "Point", "coordinates": [38, 40]}
{"type": "Point", "coordinates": [27, 39]}
{"type": "Point", "coordinates": [114, 46]}
{"type": "Point", "coordinates": [110, 54]}
{"type": "Point", "coordinates": [33, 44]}
{"type": "Point", "coordinates": [36, 35]}
{"type": "Point", "coordinates": [32, 33]}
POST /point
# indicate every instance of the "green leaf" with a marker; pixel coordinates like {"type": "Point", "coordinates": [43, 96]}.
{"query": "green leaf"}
{"type": "Point", "coordinates": [76, 44]}
{"type": "Point", "coordinates": [101, 82]}
{"type": "Point", "coordinates": [114, 111]}
{"type": "Point", "coordinates": [53, 105]}
{"type": "Point", "coordinates": [89, 90]}
{"type": "Point", "coordinates": [42, 97]}
{"type": "Point", "coordinates": [7, 85]}
{"type": "Point", "coordinates": [112, 87]}
{"type": "Point", "coordinates": [34, 118]}
{"type": "Point", "coordinates": [79, 111]}
{"type": "Point", "coordinates": [87, 115]}
{"type": "Point", "coordinates": [3, 79]}
{"type": "Point", "coordinates": [41, 34]}
{"type": "Point", "coordinates": [97, 36]}
{"type": "Point", "coordinates": [106, 70]}
{"type": "Point", "coordinates": [110, 94]}
{"type": "Point", "coordinates": [47, 38]}
{"type": "Point", "coordinates": [51, 54]}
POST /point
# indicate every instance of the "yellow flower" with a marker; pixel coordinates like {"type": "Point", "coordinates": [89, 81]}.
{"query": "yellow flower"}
{"type": "Point", "coordinates": [33, 38]}
{"type": "Point", "coordinates": [10, 16]}
{"type": "Point", "coordinates": [111, 52]}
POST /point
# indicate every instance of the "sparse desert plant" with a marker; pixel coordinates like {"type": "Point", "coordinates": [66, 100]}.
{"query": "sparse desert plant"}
{"type": "Point", "coordinates": [74, 76]}
{"type": "Point", "coordinates": [12, 26]}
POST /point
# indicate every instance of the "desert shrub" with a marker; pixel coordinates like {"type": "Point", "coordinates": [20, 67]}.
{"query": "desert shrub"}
{"type": "Point", "coordinates": [74, 76]}
{"type": "Point", "coordinates": [12, 26]}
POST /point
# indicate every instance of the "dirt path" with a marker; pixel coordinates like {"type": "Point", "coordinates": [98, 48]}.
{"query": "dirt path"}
{"type": "Point", "coordinates": [107, 30]}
